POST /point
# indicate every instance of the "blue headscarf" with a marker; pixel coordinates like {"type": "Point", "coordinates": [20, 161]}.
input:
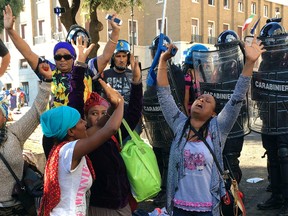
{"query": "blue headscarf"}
{"type": "Point", "coordinates": [56, 122]}
{"type": "Point", "coordinates": [65, 45]}
{"type": "Point", "coordinates": [4, 107]}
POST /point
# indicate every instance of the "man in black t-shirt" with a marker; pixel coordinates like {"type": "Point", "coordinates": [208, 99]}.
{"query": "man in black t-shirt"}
{"type": "Point", "coordinates": [118, 76]}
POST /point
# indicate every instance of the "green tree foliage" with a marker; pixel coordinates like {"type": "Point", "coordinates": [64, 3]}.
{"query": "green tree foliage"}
{"type": "Point", "coordinates": [16, 5]}
{"type": "Point", "coordinates": [91, 6]}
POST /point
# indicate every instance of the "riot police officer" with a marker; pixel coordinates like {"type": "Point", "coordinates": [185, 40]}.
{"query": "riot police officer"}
{"type": "Point", "coordinates": [192, 79]}
{"type": "Point", "coordinates": [271, 109]}
{"type": "Point", "coordinates": [227, 40]}
{"type": "Point", "coordinates": [157, 130]}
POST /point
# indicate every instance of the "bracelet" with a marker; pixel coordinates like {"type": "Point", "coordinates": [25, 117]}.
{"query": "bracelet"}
{"type": "Point", "coordinates": [47, 80]}
{"type": "Point", "coordinates": [114, 42]}
{"type": "Point", "coordinates": [161, 68]}
{"type": "Point", "coordinates": [80, 64]}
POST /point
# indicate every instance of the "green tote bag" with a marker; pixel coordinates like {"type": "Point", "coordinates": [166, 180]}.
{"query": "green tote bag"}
{"type": "Point", "coordinates": [141, 164]}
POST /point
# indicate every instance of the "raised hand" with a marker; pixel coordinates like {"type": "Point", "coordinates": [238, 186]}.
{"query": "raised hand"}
{"type": "Point", "coordinates": [81, 49]}
{"type": "Point", "coordinates": [165, 56]}
{"type": "Point", "coordinates": [8, 17]}
{"type": "Point", "coordinates": [45, 70]}
{"type": "Point", "coordinates": [136, 72]}
{"type": "Point", "coordinates": [113, 24]}
{"type": "Point", "coordinates": [113, 96]}
{"type": "Point", "coordinates": [254, 50]}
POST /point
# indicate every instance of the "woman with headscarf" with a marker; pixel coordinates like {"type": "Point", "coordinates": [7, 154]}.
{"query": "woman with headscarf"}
{"type": "Point", "coordinates": [194, 185]}
{"type": "Point", "coordinates": [69, 172]}
{"type": "Point", "coordinates": [12, 139]}
{"type": "Point", "coordinates": [64, 56]}
{"type": "Point", "coordinates": [110, 192]}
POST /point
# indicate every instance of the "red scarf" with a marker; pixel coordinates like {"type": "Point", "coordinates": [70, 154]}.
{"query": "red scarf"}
{"type": "Point", "coordinates": [51, 195]}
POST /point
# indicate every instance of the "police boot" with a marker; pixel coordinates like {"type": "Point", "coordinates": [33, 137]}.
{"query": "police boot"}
{"type": "Point", "coordinates": [232, 163]}
{"type": "Point", "coordinates": [283, 159]}
{"type": "Point", "coordinates": [276, 200]}
{"type": "Point", "coordinates": [284, 209]}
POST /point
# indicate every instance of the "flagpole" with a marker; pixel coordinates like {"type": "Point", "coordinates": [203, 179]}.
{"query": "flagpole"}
{"type": "Point", "coordinates": [255, 26]}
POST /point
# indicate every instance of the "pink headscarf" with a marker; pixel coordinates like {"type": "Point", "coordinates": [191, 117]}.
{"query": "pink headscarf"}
{"type": "Point", "coordinates": [94, 100]}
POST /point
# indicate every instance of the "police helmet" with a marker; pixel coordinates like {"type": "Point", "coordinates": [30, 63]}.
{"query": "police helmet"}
{"type": "Point", "coordinates": [196, 47]}
{"type": "Point", "coordinates": [154, 45]}
{"type": "Point", "coordinates": [227, 37]}
{"type": "Point", "coordinates": [272, 29]}
{"type": "Point", "coordinates": [76, 31]}
{"type": "Point", "coordinates": [122, 46]}
{"type": "Point", "coordinates": [155, 42]}
{"type": "Point", "coordinates": [273, 34]}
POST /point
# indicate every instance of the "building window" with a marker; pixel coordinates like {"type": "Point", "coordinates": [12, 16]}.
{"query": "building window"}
{"type": "Point", "coordinates": [195, 37]}
{"type": "Point", "coordinates": [240, 6]}
{"type": "Point", "coordinates": [195, 1]}
{"type": "Point", "coordinates": [23, 30]}
{"type": "Point", "coordinates": [23, 64]}
{"type": "Point", "coordinates": [159, 25]}
{"type": "Point", "coordinates": [265, 11]}
{"type": "Point", "coordinates": [41, 36]}
{"type": "Point", "coordinates": [133, 32]}
{"type": "Point", "coordinates": [226, 4]}
{"type": "Point", "coordinates": [211, 33]}
{"type": "Point", "coordinates": [211, 2]}
{"type": "Point", "coordinates": [277, 12]}
{"type": "Point", "coordinates": [253, 8]}
{"type": "Point", "coordinates": [240, 32]}
{"type": "Point", "coordinates": [226, 27]}
{"type": "Point", "coordinates": [41, 27]}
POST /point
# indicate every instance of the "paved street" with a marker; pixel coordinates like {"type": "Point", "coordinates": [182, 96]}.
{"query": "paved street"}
{"type": "Point", "coordinates": [251, 163]}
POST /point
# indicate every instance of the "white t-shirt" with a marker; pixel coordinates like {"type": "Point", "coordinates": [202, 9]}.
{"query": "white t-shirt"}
{"type": "Point", "coordinates": [73, 184]}
{"type": "Point", "coordinates": [193, 192]}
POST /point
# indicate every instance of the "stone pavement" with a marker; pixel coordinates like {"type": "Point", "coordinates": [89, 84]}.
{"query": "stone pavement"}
{"type": "Point", "coordinates": [252, 165]}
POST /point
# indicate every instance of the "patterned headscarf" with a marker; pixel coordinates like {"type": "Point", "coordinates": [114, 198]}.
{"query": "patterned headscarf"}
{"type": "Point", "coordinates": [65, 45]}
{"type": "Point", "coordinates": [94, 100]}
{"type": "Point", "coordinates": [56, 122]}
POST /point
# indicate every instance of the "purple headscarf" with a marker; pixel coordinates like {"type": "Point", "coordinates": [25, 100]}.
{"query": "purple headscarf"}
{"type": "Point", "coordinates": [65, 45]}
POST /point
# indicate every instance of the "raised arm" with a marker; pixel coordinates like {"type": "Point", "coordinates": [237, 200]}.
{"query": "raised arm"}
{"type": "Point", "coordinates": [19, 43]}
{"type": "Point", "coordinates": [228, 115]}
{"type": "Point", "coordinates": [252, 53]}
{"type": "Point", "coordinates": [26, 125]}
{"type": "Point", "coordinates": [162, 77]}
{"type": "Point", "coordinates": [110, 46]}
{"type": "Point", "coordinates": [76, 96]}
{"type": "Point", "coordinates": [87, 145]}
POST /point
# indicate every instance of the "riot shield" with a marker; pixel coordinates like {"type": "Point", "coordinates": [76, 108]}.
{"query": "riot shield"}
{"type": "Point", "coordinates": [157, 130]}
{"type": "Point", "coordinates": [269, 90]}
{"type": "Point", "coordinates": [218, 73]}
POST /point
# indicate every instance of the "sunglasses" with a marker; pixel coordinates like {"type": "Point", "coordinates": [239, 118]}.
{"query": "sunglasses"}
{"type": "Point", "coordinates": [66, 57]}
